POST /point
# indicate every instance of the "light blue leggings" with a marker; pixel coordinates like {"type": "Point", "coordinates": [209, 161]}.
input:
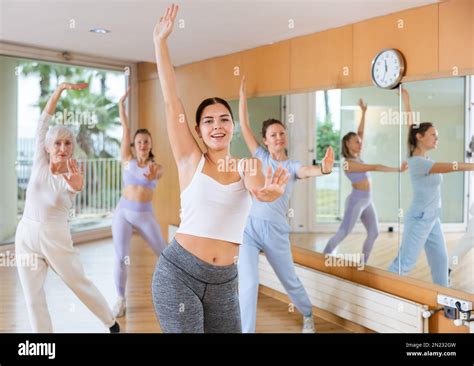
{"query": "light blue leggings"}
{"type": "Point", "coordinates": [358, 204]}
{"type": "Point", "coordinates": [423, 229]}
{"type": "Point", "coordinates": [131, 215]}
{"type": "Point", "coordinates": [274, 240]}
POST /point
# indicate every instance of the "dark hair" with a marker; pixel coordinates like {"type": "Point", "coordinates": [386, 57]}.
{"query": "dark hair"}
{"type": "Point", "coordinates": [344, 149]}
{"type": "Point", "coordinates": [144, 131]}
{"type": "Point", "coordinates": [268, 123]}
{"type": "Point", "coordinates": [415, 128]}
{"type": "Point", "coordinates": [208, 102]}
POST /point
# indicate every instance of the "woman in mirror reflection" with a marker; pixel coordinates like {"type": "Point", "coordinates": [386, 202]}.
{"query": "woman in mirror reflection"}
{"type": "Point", "coordinates": [422, 223]}
{"type": "Point", "coordinates": [267, 227]}
{"type": "Point", "coordinates": [359, 202]}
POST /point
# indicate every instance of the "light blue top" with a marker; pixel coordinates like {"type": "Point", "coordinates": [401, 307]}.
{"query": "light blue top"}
{"type": "Point", "coordinates": [426, 186]}
{"type": "Point", "coordinates": [277, 210]}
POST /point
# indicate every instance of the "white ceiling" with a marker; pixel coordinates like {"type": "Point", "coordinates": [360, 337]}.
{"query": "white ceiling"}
{"type": "Point", "coordinates": [211, 28]}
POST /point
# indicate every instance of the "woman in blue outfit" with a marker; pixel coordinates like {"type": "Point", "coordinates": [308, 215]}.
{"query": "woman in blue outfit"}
{"type": "Point", "coordinates": [267, 226]}
{"type": "Point", "coordinates": [422, 226]}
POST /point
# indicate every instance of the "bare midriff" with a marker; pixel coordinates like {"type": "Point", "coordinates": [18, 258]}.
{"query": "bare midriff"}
{"type": "Point", "coordinates": [363, 185]}
{"type": "Point", "coordinates": [212, 251]}
{"type": "Point", "coordinates": [137, 193]}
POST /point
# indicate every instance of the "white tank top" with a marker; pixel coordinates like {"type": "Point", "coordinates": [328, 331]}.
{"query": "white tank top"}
{"type": "Point", "coordinates": [213, 210]}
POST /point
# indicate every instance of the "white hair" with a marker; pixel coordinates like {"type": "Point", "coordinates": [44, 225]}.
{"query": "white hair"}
{"type": "Point", "coordinates": [59, 132]}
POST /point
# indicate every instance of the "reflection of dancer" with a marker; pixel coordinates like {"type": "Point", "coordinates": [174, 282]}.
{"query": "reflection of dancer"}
{"type": "Point", "coordinates": [134, 211]}
{"type": "Point", "coordinates": [195, 281]}
{"type": "Point", "coordinates": [267, 226]}
{"type": "Point", "coordinates": [359, 203]}
{"type": "Point", "coordinates": [43, 232]}
{"type": "Point", "coordinates": [422, 227]}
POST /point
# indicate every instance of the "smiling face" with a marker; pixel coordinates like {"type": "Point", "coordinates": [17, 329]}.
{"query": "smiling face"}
{"type": "Point", "coordinates": [216, 127]}
{"type": "Point", "coordinates": [59, 144]}
{"type": "Point", "coordinates": [142, 144]}
{"type": "Point", "coordinates": [428, 140]}
{"type": "Point", "coordinates": [275, 138]}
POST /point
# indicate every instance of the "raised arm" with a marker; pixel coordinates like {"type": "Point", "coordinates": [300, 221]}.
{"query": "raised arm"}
{"type": "Point", "coordinates": [182, 141]}
{"type": "Point", "coordinates": [316, 171]}
{"type": "Point", "coordinates": [353, 167]}
{"type": "Point", "coordinates": [363, 108]}
{"type": "Point", "coordinates": [125, 153]}
{"type": "Point", "coordinates": [249, 137]}
{"type": "Point", "coordinates": [441, 168]}
{"type": "Point", "coordinates": [48, 111]}
{"type": "Point", "coordinates": [407, 106]}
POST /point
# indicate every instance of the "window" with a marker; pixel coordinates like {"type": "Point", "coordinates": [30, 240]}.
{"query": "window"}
{"type": "Point", "coordinates": [93, 116]}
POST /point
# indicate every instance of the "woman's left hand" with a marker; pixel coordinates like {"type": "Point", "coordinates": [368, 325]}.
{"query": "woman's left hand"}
{"type": "Point", "coordinates": [274, 187]}
{"type": "Point", "coordinates": [328, 161]}
{"type": "Point", "coordinates": [75, 177]}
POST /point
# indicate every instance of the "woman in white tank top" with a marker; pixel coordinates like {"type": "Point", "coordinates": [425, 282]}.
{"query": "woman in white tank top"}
{"type": "Point", "coordinates": [195, 282]}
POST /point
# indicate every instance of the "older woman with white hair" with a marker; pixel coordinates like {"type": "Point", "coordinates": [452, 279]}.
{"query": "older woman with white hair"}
{"type": "Point", "coordinates": [43, 235]}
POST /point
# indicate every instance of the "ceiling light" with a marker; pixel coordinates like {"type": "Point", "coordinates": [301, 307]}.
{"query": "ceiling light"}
{"type": "Point", "coordinates": [99, 30]}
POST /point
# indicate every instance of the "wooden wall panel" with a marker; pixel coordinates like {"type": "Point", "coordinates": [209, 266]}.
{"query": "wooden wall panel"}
{"type": "Point", "coordinates": [267, 69]}
{"type": "Point", "coordinates": [414, 32]}
{"type": "Point", "coordinates": [456, 36]}
{"type": "Point", "coordinates": [319, 60]}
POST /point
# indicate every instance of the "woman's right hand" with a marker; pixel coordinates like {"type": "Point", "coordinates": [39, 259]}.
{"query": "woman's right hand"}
{"type": "Point", "coordinates": [164, 26]}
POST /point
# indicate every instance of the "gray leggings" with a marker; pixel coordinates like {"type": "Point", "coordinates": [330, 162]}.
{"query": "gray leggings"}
{"type": "Point", "coordinates": [193, 296]}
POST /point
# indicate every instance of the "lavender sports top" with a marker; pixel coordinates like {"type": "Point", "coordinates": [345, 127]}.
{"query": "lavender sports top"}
{"type": "Point", "coordinates": [134, 175]}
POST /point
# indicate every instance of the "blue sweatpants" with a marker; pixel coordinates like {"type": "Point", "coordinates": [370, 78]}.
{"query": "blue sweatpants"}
{"type": "Point", "coordinates": [274, 240]}
{"type": "Point", "coordinates": [423, 229]}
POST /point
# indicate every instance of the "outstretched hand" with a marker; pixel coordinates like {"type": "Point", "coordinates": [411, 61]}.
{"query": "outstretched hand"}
{"type": "Point", "coordinates": [164, 26]}
{"type": "Point", "coordinates": [152, 171]}
{"type": "Point", "coordinates": [74, 177]}
{"type": "Point", "coordinates": [274, 187]}
{"type": "Point", "coordinates": [404, 166]}
{"type": "Point", "coordinates": [328, 161]}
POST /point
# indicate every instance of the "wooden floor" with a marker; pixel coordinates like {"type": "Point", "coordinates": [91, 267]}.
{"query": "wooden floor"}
{"type": "Point", "coordinates": [70, 315]}
{"type": "Point", "coordinates": [386, 249]}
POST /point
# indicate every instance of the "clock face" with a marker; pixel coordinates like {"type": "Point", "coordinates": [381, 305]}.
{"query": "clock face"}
{"type": "Point", "coordinates": [387, 68]}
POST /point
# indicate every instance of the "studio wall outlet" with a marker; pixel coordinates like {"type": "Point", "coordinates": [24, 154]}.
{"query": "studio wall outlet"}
{"type": "Point", "coordinates": [451, 302]}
